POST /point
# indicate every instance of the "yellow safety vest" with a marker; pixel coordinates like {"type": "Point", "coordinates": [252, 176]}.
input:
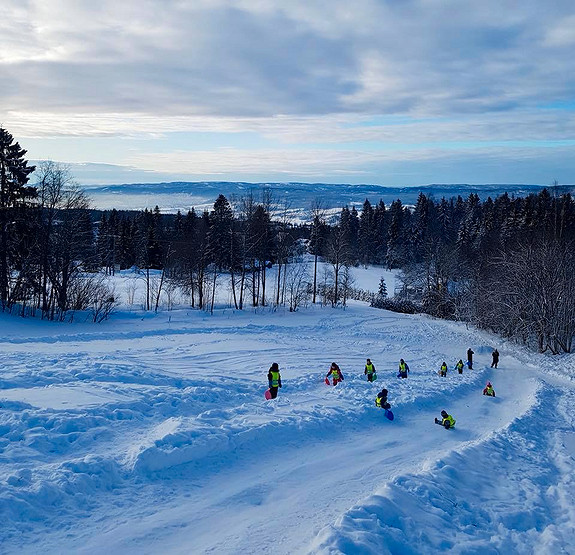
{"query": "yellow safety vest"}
{"type": "Point", "coordinates": [369, 368]}
{"type": "Point", "coordinates": [449, 419]}
{"type": "Point", "coordinates": [275, 378]}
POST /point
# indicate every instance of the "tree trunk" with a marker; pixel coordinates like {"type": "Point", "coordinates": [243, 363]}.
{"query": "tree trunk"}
{"type": "Point", "coordinates": [314, 277]}
{"type": "Point", "coordinates": [147, 288]}
{"type": "Point", "coordinates": [214, 289]}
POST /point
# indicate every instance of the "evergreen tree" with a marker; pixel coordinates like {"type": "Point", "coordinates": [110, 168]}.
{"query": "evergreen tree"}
{"type": "Point", "coordinates": [382, 289]}
{"type": "Point", "coordinates": [467, 238]}
{"type": "Point", "coordinates": [220, 239]}
{"type": "Point", "coordinates": [262, 247]}
{"type": "Point", "coordinates": [15, 197]}
{"type": "Point", "coordinates": [445, 222]}
{"type": "Point", "coordinates": [366, 234]}
{"type": "Point", "coordinates": [381, 230]}
{"type": "Point", "coordinates": [220, 233]}
{"type": "Point", "coordinates": [419, 228]}
{"type": "Point", "coordinates": [395, 237]}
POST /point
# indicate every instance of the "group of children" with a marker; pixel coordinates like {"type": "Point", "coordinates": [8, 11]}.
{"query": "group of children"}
{"type": "Point", "coordinates": [458, 366]}
{"type": "Point", "coordinates": [335, 376]}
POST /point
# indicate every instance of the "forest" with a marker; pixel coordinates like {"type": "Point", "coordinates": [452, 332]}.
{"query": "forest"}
{"type": "Point", "coordinates": [504, 264]}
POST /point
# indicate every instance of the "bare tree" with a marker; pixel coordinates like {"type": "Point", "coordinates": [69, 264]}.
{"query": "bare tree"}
{"type": "Point", "coordinates": [529, 295]}
{"type": "Point", "coordinates": [337, 249]}
{"type": "Point", "coordinates": [284, 246]}
{"type": "Point", "coordinates": [103, 300]}
{"type": "Point", "coordinates": [298, 285]}
{"type": "Point", "coordinates": [318, 214]}
{"type": "Point", "coordinates": [347, 282]}
{"type": "Point", "coordinates": [62, 205]}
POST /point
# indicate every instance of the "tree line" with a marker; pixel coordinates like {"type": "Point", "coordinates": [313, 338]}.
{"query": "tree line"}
{"type": "Point", "coordinates": [503, 264]}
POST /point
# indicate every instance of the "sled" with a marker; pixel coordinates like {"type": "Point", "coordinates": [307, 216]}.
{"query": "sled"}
{"type": "Point", "coordinates": [389, 414]}
{"type": "Point", "coordinates": [373, 377]}
{"type": "Point", "coordinates": [268, 394]}
{"type": "Point", "coordinates": [327, 381]}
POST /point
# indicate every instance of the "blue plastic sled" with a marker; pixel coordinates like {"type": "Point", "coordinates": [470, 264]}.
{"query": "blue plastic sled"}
{"type": "Point", "coordinates": [388, 414]}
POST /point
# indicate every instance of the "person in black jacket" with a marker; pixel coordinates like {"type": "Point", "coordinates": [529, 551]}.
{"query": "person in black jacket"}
{"type": "Point", "coordinates": [470, 354]}
{"type": "Point", "coordinates": [274, 379]}
{"type": "Point", "coordinates": [495, 357]}
{"type": "Point", "coordinates": [443, 370]}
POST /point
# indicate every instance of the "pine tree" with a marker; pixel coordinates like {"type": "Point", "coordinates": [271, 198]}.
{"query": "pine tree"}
{"type": "Point", "coordinates": [15, 197]}
{"type": "Point", "coordinates": [419, 230]}
{"type": "Point", "coordinates": [395, 238]}
{"type": "Point", "coordinates": [366, 234]}
{"type": "Point", "coordinates": [382, 289]}
{"type": "Point", "coordinates": [220, 239]}
{"type": "Point", "coordinates": [381, 230]}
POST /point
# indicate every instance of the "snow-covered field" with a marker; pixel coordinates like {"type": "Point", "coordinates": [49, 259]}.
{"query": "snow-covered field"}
{"type": "Point", "coordinates": [149, 433]}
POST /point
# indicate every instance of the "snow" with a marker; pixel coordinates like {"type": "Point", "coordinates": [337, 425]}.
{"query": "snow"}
{"type": "Point", "coordinates": [149, 433]}
{"type": "Point", "coordinates": [368, 278]}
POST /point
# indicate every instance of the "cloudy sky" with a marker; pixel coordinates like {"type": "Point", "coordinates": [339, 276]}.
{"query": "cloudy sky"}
{"type": "Point", "coordinates": [395, 92]}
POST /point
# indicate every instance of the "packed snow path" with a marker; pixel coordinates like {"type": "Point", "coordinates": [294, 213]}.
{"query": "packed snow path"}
{"type": "Point", "coordinates": [153, 436]}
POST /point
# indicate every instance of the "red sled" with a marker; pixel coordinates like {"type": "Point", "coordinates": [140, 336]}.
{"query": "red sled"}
{"type": "Point", "coordinates": [268, 394]}
{"type": "Point", "coordinates": [327, 381]}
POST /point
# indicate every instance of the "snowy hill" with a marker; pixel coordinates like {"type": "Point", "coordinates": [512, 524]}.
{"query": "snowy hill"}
{"type": "Point", "coordinates": [150, 434]}
{"type": "Point", "coordinates": [171, 197]}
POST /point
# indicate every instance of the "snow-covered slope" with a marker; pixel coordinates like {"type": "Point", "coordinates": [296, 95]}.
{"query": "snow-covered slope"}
{"type": "Point", "coordinates": [150, 434]}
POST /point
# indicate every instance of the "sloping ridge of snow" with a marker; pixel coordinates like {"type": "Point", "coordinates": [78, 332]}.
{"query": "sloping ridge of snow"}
{"type": "Point", "coordinates": [503, 493]}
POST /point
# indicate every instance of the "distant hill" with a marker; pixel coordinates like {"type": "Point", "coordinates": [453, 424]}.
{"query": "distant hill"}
{"type": "Point", "coordinates": [174, 196]}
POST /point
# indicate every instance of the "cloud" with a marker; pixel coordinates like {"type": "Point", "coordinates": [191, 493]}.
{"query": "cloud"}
{"type": "Point", "coordinates": [325, 88]}
{"type": "Point", "coordinates": [413, 166]}
{"type": "Point", "coordinates": [524, 125]}
{"type": "Point", "coordinates": [322, 164]}
{"type": "Point", "coordinates": [263, 58]}
{"type": "Point", "coordinates": [562, 34]}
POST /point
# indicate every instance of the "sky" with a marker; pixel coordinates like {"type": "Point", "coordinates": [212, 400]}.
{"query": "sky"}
{"type": "Point", "coordinates": [390, 92]}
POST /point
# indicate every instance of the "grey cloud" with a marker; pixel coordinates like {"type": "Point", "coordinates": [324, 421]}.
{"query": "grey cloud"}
{"type": "Point", "coordinates": [228, 62]}
{"type": "Point", "coordinates": [262, 59]}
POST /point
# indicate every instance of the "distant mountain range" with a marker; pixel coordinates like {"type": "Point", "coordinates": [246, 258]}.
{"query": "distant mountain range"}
{"type": "Point", "coordinates": [299, 197]}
